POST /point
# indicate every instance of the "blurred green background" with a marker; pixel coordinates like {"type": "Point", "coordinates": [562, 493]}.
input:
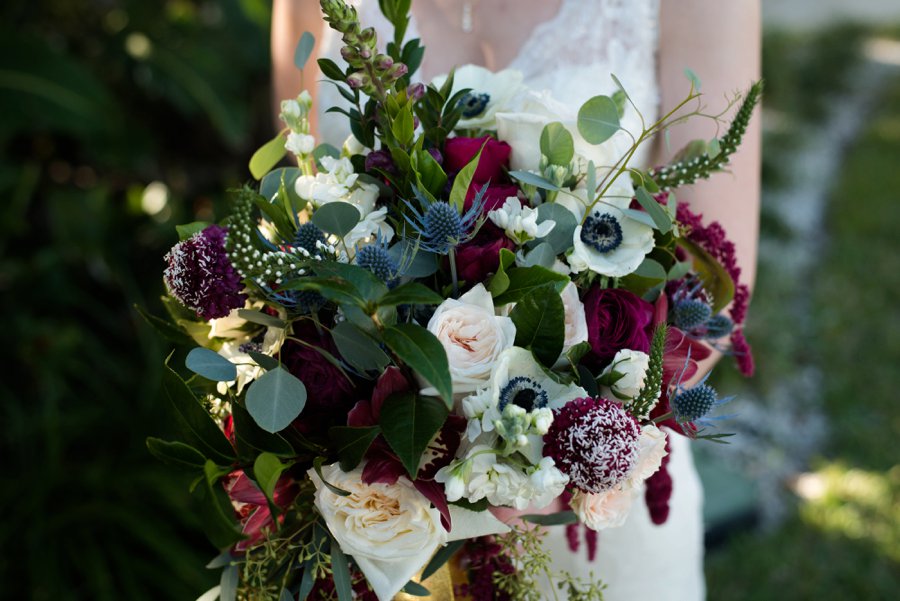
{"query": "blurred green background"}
{"type": "Point", "coordinates": [119, 119]}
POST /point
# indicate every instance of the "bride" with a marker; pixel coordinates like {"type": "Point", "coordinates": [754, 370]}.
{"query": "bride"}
{"type": "Point", "coordinates": [570, 47]}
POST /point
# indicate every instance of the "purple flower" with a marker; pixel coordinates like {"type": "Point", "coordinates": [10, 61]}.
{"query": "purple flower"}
{"type": "Point", "coordinates": [201, 277]}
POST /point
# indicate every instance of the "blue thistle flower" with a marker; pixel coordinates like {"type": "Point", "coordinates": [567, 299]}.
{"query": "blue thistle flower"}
{"type": "Point", "coordinates": [376, 258]}
{"type": "Point", "coordinates": [690, 313]}
{"type": "Point", "coordinates": [718, 326]}
{"type": "Point", "coordinates": [440, 225]}
{"type": "Point", "coordinates": [307, 236]}
{"type": "Point", "coordinates": [692, 404]}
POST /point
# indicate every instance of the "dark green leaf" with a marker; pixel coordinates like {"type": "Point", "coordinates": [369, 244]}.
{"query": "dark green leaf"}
{"type": "Point", "coordinates": [267, 470]}
{"type": "Point", "coordinates": [557, 144]}
{"type": "Point", "coordinates": [413, 261]}
{"type": "Point", "coordinates": [526, 177]}
{"type": "Point", "coordinates": [264, 159]}
{"type": "Point", "coordinates": [195, 418]}
{"type": "Point", "coordinates": [336, 218]}
{"type": "Point", "coordinates": [304, 49]}
{"type": "Point", "coordinates": [352, 443]}
{"type": "Point", "coordinates": [358, 348]}
{"type": "Point", "coordinates": [332, 288]}
{"type": "Point", "coordinates": [275, 399]}
{"type": "Point", "coordinates": [402, 126]}
{"type": "Point", "coordinates": [500, 281]}
{"type": "Point", "coordinates": [415, 589]}
{"type": "Point", "coordinates": [598, 119]}
{"type": "Point", "coordinates": [551, 519]}
{"type": "Point", "coordinates": [420, 350]}
{"type": "Point", "coordinates": [369, 287]}
{"type": "Point", "coordinates": [442, 556]}
{"type": "Point", "coordinates": [263, 360]}
{"type": "Point", "coordinates": [330, 69]}
{"type": "Point", "coordinates": [216, 513]}
{"type": "Point", "coordinates": [462, 182]}
{"type": "Point", "coordinates": [524, 280]}
{"type": "Point", "coordinates": [211, 365]}
{"type": "Point", "coordinates": [189, 229]}
{"type": "Point", "coordinates": [167, 330]}
{"type": "Point", "coordinates": [578, 351]}
{"type": "Point", "coordinates": [586, 380]}
{"type": "Point", "coordinates": [715, 279]}
{"type": "Point", "coordinates": [408, 423]}
{"type": "Point", "coordinates": [252, 439]}
{"type": "Point", "coordinates": [176, 453]}
{"type": "Point", "coordinates": [411, 293]}
{"type": "Point", "coordinates": [317, 465]}
{"type": "Point", "coordinates": [540, 324]}
{"type": "Point", "coordinates": [661, 219]}
{"type": "Point", "coordinates": [341, 573]}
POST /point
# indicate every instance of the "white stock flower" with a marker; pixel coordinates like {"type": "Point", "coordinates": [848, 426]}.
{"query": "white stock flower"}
{"type": "Point", "coordinates": [373, 227]}
{"type": "Point", "coordinates": [300, 144]}
{"type": "Point", "coordinates": [390, 530]}
{"type": "Point", "coordinates": [610, 243]}
{"type": "Point", "coordinates": [576, 321]}
{"type": "Point", "coordinates": [632, 366]}
{"type": "Point", "coordinates": [495, 91]}
{"type": "Point", "coordinates": [546, 483]}
{"type": "Point", "coordinates": [608, 509]}
{"type": "Point", "coordinates": [337, 183]}
{"type": "Point", "coordinates": [519, 222]}
{"type": "Point", "coordinates": [473, 337]}
{"type": "Point", "coordinates": [352, 147]}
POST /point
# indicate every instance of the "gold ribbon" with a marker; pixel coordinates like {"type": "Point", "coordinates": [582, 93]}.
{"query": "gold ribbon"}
{"type": "Point", "coordinates": [439, 584]}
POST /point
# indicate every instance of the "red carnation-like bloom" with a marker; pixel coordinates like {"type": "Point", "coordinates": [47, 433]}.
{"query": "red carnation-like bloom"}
{"type": "Point", "coordinates": [594, 442]}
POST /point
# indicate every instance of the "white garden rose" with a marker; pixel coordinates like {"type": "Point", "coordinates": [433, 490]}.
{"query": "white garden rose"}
{"type": "Point", "coordinates": [576, 330]}
{"type": "Point", "coordinates": [492, 91]}
{"type": "Point", "coordinates": [390, 530]}
{"type": "Point", "coordinates": [632, 366]}
{"type": "Point", "coordinates": [610, 243]}
{"type": "Point", "coordinates": [608, 509]}
{"type": "Point", "coordinates": [473, 337]}
{"type": "Point", "coordinates": [651, 450]}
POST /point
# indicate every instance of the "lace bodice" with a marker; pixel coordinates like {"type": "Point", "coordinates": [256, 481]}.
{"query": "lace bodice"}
{"type": "Point", "coordinates": [572, 55]}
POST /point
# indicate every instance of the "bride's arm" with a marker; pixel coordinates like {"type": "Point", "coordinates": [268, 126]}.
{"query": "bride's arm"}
{"type": "Point", "coordinates": [720, 42]}
{"type": "Point", "coordinates": [290, 18]}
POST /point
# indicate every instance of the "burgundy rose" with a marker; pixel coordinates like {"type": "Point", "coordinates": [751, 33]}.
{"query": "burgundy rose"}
{"type": "Point", "coordinates": [481, 256]}
{"type": "Point", "coordinates": [326, 386]}
{"type": "Point", "coordinates": [616, 320]}
{"type": "Point", "coordinates": [494, 157]}
{"type": "Point", "coordinates": [493, 198]}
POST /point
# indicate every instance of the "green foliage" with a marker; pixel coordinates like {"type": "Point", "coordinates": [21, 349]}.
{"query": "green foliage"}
{"type": "Point", "coordinates": [336, 218]}
{"type": "Point", "coordinates": [408, 422]}
{"type": "Point", "coordinates": [352, 443]}
{"type": "Point", "coordinates": [268, 155]}
{"type": "Point", "coordinates": [715, 279]}
{"type": "Point", "coordinates": [211, 365]}
{"type": "Point", "coordinates": [463, 181]}
{"type": "Point", "coordinates": [421, 351]}
{"type": "Point", "coordinates": [540, 323]}
{"type": "Point", "coordinates": [661, 219]}
{"type": "Point", "coordinates": [598, 119]}
{"type": "Point", "coordinates": [275, 399]}
{"type": "Point", "coordinates": [653, 381]}
{"type": "Point", "coordinates": [523, 281]}
{"type": "Point", "coordinates": [358, 348]}
{"type": "Point", "coordinates": [557, 144]}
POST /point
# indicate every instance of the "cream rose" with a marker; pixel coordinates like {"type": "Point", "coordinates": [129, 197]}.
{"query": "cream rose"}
{"type": "Point", "coordinates": [632, 366]}
{"type": "Point", "coordinates": [390, 530]}
{"type": "Point", "coordinates": [473, 336]}
{"type": "Point", "coordinates": [651, 450]}
{"type": "Point", "coordinates": [608, 509]}
{"type": "Point", "coordinates": [576, 322]}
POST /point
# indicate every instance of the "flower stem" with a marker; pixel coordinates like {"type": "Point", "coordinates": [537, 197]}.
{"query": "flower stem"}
{"type": "Point", "coordinates": [452, 257]}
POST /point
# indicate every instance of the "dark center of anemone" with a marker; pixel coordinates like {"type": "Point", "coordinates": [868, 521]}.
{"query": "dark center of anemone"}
{"type": "Point", "coordinates": [473, 104]}
{"type": "Point", "coordinates": [602, 232]}
{"type": "Point", "coordinates": [525, 393]}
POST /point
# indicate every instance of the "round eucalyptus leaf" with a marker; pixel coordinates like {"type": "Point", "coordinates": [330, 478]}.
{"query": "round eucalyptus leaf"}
{"type": "Point", "coordinates": [336, 218]}
{"type": "Point", "coordinates": [211, 365]}
{"type": "Point", "coordinates": [275, 400]}
{"type": "Point", "coordinates": [598, 119]}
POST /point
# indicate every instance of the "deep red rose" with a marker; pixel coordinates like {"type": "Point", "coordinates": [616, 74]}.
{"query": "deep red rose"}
{"type": "Point", "coordinates": [481, 256]}
{"type": "Point", "coordinates": [616, 320]}
{"type": "Point", "coordinates": [493, 198]}
{"type": "Point", "coordinates": [494, 157]}
{"type": "Point", "coordinates": [327, 387]}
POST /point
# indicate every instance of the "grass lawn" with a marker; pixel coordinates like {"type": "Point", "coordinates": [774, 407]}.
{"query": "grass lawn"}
{"type": "Point", "coordinates": [842, 539]}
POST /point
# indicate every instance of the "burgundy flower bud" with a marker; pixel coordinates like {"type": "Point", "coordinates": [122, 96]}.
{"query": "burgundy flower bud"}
{"type": "Point", "coordinates": [358, 80]}
{"type": "Point", "coordinates": [397, 71]}
{"type": "Point", "coordinates": [435, 154]}
{"type": "Point", "coordinates": [383, 61]}
{"type": "Point", "coordinates": [415, 91]}
{"type": "Point", "coordinates": [349, 54]}
{"type": "Point", "coordinates": [380, 159]}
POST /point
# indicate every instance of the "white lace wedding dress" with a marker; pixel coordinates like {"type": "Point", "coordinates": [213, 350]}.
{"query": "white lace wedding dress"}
{"type": "Point", "coordinates": [572, 55]}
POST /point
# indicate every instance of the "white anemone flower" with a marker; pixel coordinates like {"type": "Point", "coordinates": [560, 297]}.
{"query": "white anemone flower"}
{"type": "Point", "coordinates": [610, 243]}
{"type": "Point", "coordinates": [489, 94]}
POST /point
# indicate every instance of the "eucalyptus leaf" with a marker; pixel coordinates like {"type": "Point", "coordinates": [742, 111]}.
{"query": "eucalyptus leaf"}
{"type": "Point", "coordinates": [533, 179]}
{"type": "Point", "coordinates": [408, 422]}
{"type": "Point", "coordinates": [229, 584]}
{"type": "Point", "coordinates": [221, 560]}
{"type": "Point", "coordinates": [540, 323]}
{"type": "Point", "coordinates": [557, 144]}
{"type": "Point", "coordinates": [413, 261]}
{"type": "Point", "coordinates": [639, 216]}
{"type": "Point", "coordinates": [542, 255]}
{"type": "Point", "coordinates": [651, 269]}
{"type": "Point", "coordinates": [660, 217]}
{"type": "Point", "coordinates": [275, 399]}
{"type": "Point", "coordinates": [304, 49]}
{"type": "Point", "coordinates": [692, 77]}
{"type": "Point", "coordinates": [598, 119]}
{"type": "Point", "coordinates": [285, 595]}
{"type": "Point", "coordinates": [260, 318]}
{"type": "Point", "coordinates": [679, 270]}
{"type": "Point", "coordinates": [423, 352]}
{"type": "Point", "coordinates": [307, 582]}
{"type": "Point", "coordinates": [560, 237]}
{"type": "Point", "coordinates": [264, 159]}
{"type": "Point", "coordinates": [211, 365]}
{"type": "Point", "coordinates": [336, 218]}
{"type": "Point", "coordinates": [359, 349]}
{"type": "Point", "coordinates": [352, 443]}
{"type": "Point", "coordinates": [265, 361]}
{"type": "Point", "coordinates": [340, 569]}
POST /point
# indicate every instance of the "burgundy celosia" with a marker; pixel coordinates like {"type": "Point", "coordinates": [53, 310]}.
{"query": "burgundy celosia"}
{"type": "Point", "coordinates": [743, 354]}
{"type": "Point", "coordinates": [593, 441]}
{"type": "Point", "coordinates": [201, 277]}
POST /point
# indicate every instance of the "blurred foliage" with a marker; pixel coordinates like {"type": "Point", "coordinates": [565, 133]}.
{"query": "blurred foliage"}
{"type": "Point", "coordinates": [98, 99]}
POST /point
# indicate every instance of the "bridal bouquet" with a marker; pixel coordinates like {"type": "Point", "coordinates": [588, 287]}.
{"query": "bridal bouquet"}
{"type": "Point", "coordinates": [477, 303]}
